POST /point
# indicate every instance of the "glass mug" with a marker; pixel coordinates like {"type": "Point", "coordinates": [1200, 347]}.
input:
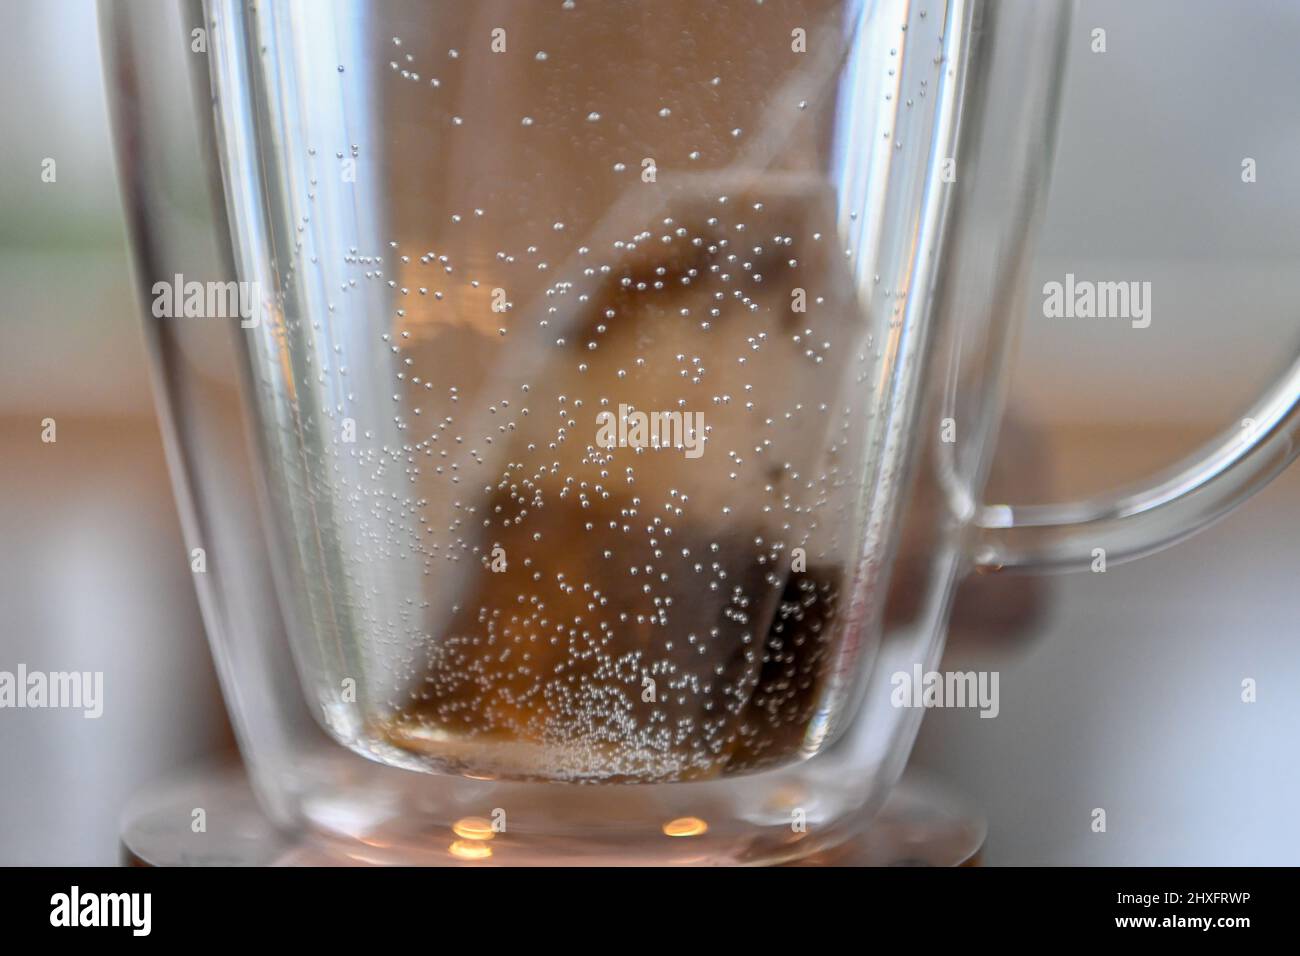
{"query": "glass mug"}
{"type": "Point", "coordinates": [564, 381]}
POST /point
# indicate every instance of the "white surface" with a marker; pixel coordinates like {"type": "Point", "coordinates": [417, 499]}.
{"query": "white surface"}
{"type": "Point", "coordinates": [1128, 698]}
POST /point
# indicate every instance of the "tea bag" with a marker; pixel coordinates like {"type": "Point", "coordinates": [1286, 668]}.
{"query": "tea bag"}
{"type": "Point", "coordinates": [636, 613]}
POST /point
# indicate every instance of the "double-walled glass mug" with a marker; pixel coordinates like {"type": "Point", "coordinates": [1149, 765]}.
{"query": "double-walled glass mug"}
{"type": "Point", "coordinates": [550, 388]}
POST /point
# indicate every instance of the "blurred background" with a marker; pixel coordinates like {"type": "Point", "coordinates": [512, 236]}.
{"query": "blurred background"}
{"type": "Point", "coordinates": [1119, 690]}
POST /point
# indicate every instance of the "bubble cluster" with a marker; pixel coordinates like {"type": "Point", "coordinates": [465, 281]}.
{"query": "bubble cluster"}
{"type": "Point", "coordinates": [509, 595]}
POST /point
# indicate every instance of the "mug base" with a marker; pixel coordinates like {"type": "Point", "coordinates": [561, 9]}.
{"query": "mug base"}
{"type": "Point", "coordinates": [923, 823]}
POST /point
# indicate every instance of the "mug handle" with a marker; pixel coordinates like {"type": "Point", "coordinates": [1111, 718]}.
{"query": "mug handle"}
{"type": "Point", "coordinates": [1145, 517]}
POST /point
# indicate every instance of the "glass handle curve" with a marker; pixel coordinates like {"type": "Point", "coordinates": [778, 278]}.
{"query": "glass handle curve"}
{"type": "Point", "coordinates": [1141, 519]}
